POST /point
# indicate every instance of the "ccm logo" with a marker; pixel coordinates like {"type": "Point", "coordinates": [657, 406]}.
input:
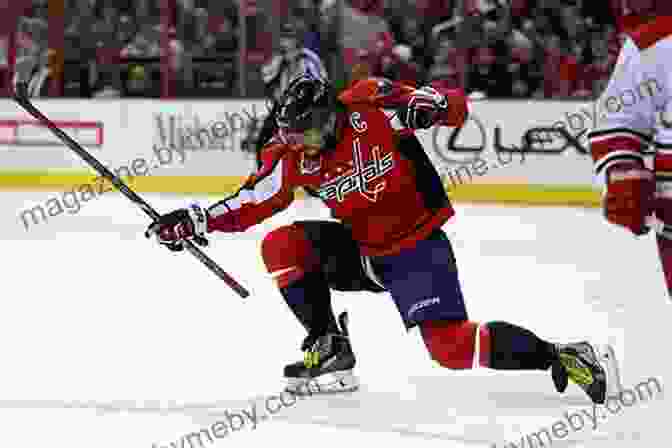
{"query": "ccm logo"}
{"type": "Point", "coordinates": [423, 304]}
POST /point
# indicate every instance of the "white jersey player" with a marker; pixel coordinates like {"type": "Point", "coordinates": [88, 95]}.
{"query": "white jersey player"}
{"type": "Point", "coordinates": [635, 116]}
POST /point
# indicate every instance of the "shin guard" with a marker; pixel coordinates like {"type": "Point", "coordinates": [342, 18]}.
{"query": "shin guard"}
{"type": "Point", "coordinates": [516, 348]}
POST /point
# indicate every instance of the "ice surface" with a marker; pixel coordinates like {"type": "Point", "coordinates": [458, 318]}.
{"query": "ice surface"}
{"type": "Point", "coordinates": [110, 341]}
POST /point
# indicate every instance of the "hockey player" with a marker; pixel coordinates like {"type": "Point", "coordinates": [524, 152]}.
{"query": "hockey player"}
{"type": "Point", "coordinates": [389, 205]}
{"type": "Point", "coordinates": [634, 116]}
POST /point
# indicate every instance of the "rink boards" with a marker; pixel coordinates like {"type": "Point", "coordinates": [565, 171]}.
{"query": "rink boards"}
{"type": "Point", "coordinates": [525, 152]}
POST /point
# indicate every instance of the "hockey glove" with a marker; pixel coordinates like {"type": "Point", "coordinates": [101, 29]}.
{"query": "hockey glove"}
{"type": "Point", "coordinates": [424, 108]}
{"type": "Point", "coordinates": [455, 110]}
{"type": "Point", "coordinates": [629, 197]}
{"type": "Point", "coordinates": [429, 107]}
{"type": "Point", "coordinates": [172, 228]}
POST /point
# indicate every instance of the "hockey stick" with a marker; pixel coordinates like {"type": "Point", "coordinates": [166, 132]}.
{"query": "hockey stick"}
{"type": "Point", "coordinates": [22, 98]}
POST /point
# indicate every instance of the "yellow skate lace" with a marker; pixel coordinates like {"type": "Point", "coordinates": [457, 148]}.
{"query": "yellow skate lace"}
{"type": "Point", "coordinates": [311, 359]}
{"type": "Point", "coordinates": [577, 373]}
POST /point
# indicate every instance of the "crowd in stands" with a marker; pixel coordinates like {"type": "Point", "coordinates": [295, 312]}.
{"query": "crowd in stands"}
{"type": "Point", "coordinates": [491, 48]}
{"type": "Point", "coordinates": [517, 49]}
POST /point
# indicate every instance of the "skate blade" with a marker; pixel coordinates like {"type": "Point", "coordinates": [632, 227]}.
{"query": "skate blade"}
{"type": "Point", "coordinates": [329, 383]}
{"type": "Point", "coordinates": [608, 361]}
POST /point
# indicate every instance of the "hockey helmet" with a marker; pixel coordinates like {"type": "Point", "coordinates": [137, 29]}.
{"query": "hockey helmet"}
{"type": "Point", "coordinates": [304, 95]}
{"type": "Point", "coordinates": [290, 39]}
{"type": "Point", "coordinates": [305, 109]}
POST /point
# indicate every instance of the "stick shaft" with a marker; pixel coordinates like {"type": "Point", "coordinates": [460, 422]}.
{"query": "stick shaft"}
{"type": "Point", "coordinates": [21, 97]}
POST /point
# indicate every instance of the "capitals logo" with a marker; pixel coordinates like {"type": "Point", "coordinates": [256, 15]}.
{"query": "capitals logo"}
{"type": "Point", "coordinates": [357, 123]}
{"type": "Point", "coordinates": [361, 177]}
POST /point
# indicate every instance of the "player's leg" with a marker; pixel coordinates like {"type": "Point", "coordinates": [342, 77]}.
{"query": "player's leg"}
{"type": "Point", "coordinates": [425, 286]}
{"type": "Point", "coordinates": [663, 210]}
{"type": "Point", "coordinates": [295, 268]}
{"type": "Point", "coordinates": [308, 259]}
{"type": "Point", "coordinates": [505, 346]}
{"type": "Point", "coordinates": [665, 253]}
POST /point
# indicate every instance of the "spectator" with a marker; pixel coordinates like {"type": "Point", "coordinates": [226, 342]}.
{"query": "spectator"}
{"type": "Point", "coordinates": [37, 72]}
{"type": "Point", "coordinates": [444, 71]}
{"type": "Point", "coordinates": [180, 70]}
{"type": "Point", "coordinates": [138, 82]}
{"type": "Point", "coordinates": [363, 23]}
{"type": "Point", "coordinates": [145, 44]}
{"type": "Point", "coordinates": [436, 11]}
{"type": "Point", "coordinates": [397, 65]}
{"type": "Point", "coordinates": [604, 60]}
{"type": "Point", "coordinates": [32, 52]}
{"type": "Point", "coordinates": [413, 36]}
{"type": "Point", "coordinates": [542, 48]}
{"type": "Point", "coordinates": [486, 75]}
{"type": "Point", "coordinates": [309, 12]}
{"type": "Point", "coordinates": [203, 42]}
{"type": "Point", "coordinates": [292, 59]}
{"type": "Point", "coordinates": [226, 38]}
{"type": "Point", "coordinates": [522, 73]}
{"type": "Point", "coordinates": [103, 45]}
{"type": "Point", "coordinates": [557, 69]}
{"type": "Point", "coordinates": [78, 78]}
{"type": "Point", "coordinates": [126, 30]}
{"type": "Point", "coordinates": [213, 38]}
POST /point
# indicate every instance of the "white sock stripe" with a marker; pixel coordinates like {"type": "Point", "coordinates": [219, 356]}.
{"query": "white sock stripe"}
{"type": "Point", "coordinates": [276, 274]}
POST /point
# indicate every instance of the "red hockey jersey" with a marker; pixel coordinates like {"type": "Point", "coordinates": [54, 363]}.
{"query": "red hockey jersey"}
{"type": "Point", "coordinates": [367, 180]}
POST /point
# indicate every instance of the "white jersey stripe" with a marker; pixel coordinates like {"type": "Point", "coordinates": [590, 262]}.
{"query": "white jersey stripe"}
{"type": "Point", "coordinates": [614, 157]}
{"type": "Point", "coordinates": [606, 135]}
{"type": "Point", "coordinates": [265, 188]}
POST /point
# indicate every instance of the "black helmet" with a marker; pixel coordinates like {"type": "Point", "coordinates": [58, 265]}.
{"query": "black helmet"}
{"type": "Point", "coordinates": [289, 29]}
{"type": "Point", "coordinates": [304, 104]}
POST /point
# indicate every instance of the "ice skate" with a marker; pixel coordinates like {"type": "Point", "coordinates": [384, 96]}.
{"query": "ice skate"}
{"type": "Point", "coordinates": [327, 366]}
{"type": "Point", "coordinates": [593, 368]}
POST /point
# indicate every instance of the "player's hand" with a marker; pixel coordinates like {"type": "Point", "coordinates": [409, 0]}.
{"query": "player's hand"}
{"type": "Point", "coordinates": [184, 224]}
{"type": "Point", "coordinates": [429, 107]}
{"type": "Point", "coordinates": [454, 109]}
{"type": "Point", "coordinates": [424, 108]}
{"type": "Point", "coordinates": [629, 198]}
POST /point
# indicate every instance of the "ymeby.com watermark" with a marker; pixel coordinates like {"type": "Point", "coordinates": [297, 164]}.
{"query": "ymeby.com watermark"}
{"type": "Point", "coordinates": [587, 418]}
{"type": "Point", "coordinates": [73, 200]}
{"type": "Point", "coordinates": [176, 140]}
{"type": "Point", "coordinates": [234, 421]}
{"type": "Point", "coordinates": [580, 122]}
